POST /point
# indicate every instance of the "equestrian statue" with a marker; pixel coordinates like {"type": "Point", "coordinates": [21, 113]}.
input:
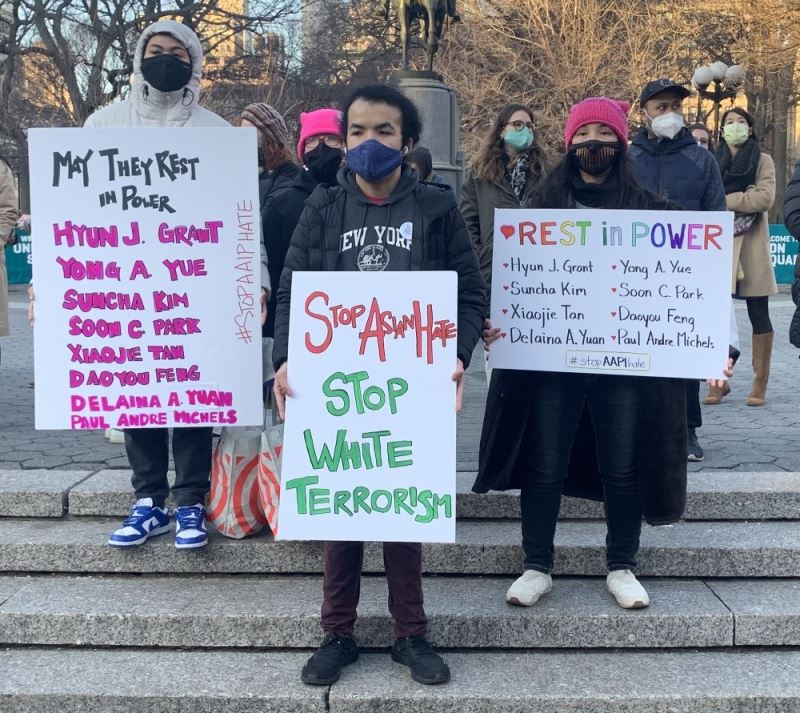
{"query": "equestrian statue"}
{"type": "Point", "coordinates": [431, 15]}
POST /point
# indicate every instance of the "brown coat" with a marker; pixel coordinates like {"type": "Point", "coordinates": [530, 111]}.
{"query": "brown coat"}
{"type": "Point", "coordinates": [479, 198]}
{"type": "Point", "coordinates": [8, 216]}
{"type": "Point", "coordinates": [752, 248]}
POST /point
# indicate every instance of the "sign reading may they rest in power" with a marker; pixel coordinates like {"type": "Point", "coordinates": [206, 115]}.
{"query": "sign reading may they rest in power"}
{"type": "Point", "coordinates": [629, 292]}
{"type": "Point", "coordinates": [147, 277]}
{"type": "Point", "coordinates": [370, 435]}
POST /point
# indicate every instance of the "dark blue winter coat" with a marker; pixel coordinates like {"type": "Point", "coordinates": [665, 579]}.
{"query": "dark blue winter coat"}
{"type": "Point", "coordinates": [679, 170]}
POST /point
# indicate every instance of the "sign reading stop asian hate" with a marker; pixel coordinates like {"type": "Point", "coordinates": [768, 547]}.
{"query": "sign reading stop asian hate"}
{"type": "Point", "coordinates": [147, 277]}
{"type": "Point", "coordinates": [370, 432]}
{"type": "Point", "coordinates": [624, 292]}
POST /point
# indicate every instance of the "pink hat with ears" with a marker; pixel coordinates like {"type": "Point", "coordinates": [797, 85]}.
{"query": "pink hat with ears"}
{"type": "Point", "coordinates": [599, 110]}
{"type": "Point", "coordinates": [321, 122]}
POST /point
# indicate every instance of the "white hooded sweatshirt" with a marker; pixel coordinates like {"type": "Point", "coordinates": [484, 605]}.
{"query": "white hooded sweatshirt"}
{"type": "Point", "coordinates": [148, 106]}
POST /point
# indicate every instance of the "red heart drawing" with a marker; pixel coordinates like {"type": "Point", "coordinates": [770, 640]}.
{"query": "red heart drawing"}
{"type": "Point", "coordinates": [613, 289]}
{"type": "Point", "coordinates": [505, 287]}
{"type": "Point", "coordinates": [503, 335]}
{"type": "Point", "coordinates": [613, 267]}
{"type": "Point", "coordinates": [505, 264]}
{"type": "Point", "coordinates": [505, 311]}
{"type": "Point", "coordinates": [614, 339]}
{"type": "Point", "coordinates": [507, 230]}
{"type": "Point", "coordinates": [613, 314]}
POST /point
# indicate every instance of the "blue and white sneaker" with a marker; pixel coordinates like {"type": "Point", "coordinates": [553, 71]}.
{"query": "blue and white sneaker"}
{"type": "Point", "coordinates": [143, 522]}
{"type": "Point", "coordinates": [190, 530]}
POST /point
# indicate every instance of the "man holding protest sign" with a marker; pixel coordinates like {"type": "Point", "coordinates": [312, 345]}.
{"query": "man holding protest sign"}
{"type": "Point", "coordinates": [165, 91]}
{"type": "Point", "coordinates": [375, 193]}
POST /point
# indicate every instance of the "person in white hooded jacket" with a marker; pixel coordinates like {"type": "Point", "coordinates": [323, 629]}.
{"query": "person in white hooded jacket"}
{"type": "Point", "coordinates": [165, 90]}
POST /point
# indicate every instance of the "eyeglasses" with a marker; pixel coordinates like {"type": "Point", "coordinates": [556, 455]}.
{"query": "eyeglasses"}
{"type": "Point", "coordinates": [330, 140]}
{"type": "Point", "coordinates": [520, 125]}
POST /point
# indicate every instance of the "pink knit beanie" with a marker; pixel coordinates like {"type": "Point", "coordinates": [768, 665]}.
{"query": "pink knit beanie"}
{"type": "Point", "coordinates": [322, 122]}
{"type": "Point", "coordinates": [601, 110]}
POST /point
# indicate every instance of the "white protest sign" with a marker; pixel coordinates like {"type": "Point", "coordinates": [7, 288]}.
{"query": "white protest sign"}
{"type": "Point", "coordinates": [370, 434]}
{"type": "Point", "coordinates": [147, 276]}
{"type": "Point", "coordinates": [612, 291]}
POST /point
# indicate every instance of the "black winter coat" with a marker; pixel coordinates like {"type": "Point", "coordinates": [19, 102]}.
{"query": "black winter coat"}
{"type": "Point", "coordinates": [269, 184]}
{"type": "Point", "coordinates": [662, 435]}
{"type": "Point", "coordinates": [791, 203]}
{"type": "Point", "coordinates": [441, 242]}
{"type": "Point", "coordinates": [279, 217]}
{"type": "Point", "coordinates": [678, 170]}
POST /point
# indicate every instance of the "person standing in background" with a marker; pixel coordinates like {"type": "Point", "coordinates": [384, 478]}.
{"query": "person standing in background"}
{"type": "Point", "coordinates": [748, 175]}
{"type": "Point", "coordinates": [8, 217]}
{"type": "Point", "coordinates": [669, 162]}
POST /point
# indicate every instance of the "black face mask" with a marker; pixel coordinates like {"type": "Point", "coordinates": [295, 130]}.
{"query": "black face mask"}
{"type": "Point", "coordinates": [323, 162]}
{"type": "Point", "coordinates": [166, 72]}
{"type": "Point", "coordinates": [595, 157]}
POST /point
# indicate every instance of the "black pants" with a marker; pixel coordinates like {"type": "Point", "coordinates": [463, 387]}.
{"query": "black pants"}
{"type": "Point", "coordinates": [148, 454]}
{"type": "Point", "coordinates": [694, 416]}
{"type": "Point", "coordinates": [558, 403]}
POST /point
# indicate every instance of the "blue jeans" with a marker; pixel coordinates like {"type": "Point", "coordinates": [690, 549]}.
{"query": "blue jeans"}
{"type": "Point", "coordinates": [558, 403]}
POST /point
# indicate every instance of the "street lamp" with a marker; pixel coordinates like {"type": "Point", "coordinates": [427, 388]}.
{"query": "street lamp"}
{"type": "Point", "coordinates": [727, 82]}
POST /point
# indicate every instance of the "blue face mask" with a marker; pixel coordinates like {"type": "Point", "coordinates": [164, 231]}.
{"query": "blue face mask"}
{"type": "Point", "coordinates": [373, 160]}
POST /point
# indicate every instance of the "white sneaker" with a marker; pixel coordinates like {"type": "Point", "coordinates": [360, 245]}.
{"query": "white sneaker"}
{"type": "Point", "coordinates": [529, 588]}
{"type": "Point", "coordinates": [622, 583]}
{"type": "Point", "coordinates": [115, 435]}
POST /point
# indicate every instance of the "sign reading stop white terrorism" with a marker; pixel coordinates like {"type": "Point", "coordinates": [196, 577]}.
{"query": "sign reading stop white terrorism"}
{"type": "Point", "coordinates": [147, 277]}
{"type": "Point", "coordinates": [370, 433]}
{"type": "Point", "coordinates": [625, 292]}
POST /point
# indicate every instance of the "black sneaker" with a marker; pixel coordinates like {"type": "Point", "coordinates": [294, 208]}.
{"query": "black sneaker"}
{"type": "Point", "coordinates": [695, 451]}
{"type": "Point", "coordinates": [425, 664]}
{"type": "Point", "coordinates": [325, 666]}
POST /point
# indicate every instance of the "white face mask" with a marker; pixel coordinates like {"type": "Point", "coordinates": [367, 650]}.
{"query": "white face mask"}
{"type": "Point", "coordinates": [666, 126]}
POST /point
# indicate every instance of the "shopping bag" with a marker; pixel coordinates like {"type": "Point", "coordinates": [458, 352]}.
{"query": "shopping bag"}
{"type": "Point", "coordinates": [269, 470]}
{"type": "Point", "coordinates": [233, 505]}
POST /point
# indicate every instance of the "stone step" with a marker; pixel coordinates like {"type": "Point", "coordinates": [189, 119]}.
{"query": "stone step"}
{"type": "Point", "coordinates": [721, 495]}
{"type": "Point", "coordinates": [279, 612]}
{"type": "Point", "coordinates": [687, 549]}
{"type": "Point", "coordinates": [120, 681]}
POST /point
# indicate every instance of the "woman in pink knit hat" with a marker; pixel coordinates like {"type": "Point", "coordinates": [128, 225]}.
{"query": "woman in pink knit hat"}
{"type": "Point", "coordinates": [320, 151]}
{"type": "Point", "coordinates": [616, 438]}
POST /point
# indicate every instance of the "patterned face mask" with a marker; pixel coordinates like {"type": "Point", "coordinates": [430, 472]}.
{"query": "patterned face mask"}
{"type": "Point", "coordinates": [595, 157]}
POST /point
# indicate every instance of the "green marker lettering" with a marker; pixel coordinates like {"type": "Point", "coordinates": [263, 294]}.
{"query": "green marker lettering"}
{"type": "Point", "coordinates": [320, 501]}
{"type": "Point", "coordinates": [396, 451]}
{"type": "Point", "coordinates": [360, 495]}
{"type": "Point", "coordinates": [381, 494]}
{"type": "Point", "coordinates": [340, 500]}
{"type": "Point", "coordinates": [301, 484]}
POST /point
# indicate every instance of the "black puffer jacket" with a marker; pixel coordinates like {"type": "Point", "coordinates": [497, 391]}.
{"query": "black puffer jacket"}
{"type": "Point", "coordinates": [279, 217]}
{"type": "Point", "coordinates": [791, 203]}
{"type": "Point", "coordinates": [441, 242]}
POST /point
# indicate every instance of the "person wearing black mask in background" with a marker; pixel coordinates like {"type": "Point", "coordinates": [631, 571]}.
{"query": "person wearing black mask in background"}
{"type": "Point", "coordinates": [320, 149]}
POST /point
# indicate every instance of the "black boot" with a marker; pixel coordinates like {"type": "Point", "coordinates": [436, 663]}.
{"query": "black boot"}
{"type": "Point", "coordinates": [425, 664]}
{"type": "Point", "coordinates": [325, 666]}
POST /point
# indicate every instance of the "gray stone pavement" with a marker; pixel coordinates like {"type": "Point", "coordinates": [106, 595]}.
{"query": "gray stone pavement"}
{"type": "Point", "coordinates": [735, 437]}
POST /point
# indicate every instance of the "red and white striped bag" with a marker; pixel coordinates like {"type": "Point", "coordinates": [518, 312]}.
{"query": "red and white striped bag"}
{"type": "Point", "coordinates": [269, 473]}
{"type": "Point", "coordinates": [233, 506]}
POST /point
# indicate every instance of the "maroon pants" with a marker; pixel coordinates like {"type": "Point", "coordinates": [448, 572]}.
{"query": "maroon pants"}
{"type": "Point", "coordinates": [342, 587]}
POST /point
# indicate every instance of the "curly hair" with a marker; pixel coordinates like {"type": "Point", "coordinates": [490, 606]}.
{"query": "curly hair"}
{"type": "Point", "coordinates": [273, 155]}
{"type": "Point", "coordinates": [490, 161]}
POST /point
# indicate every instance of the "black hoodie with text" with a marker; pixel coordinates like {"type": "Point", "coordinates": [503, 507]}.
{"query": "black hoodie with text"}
{"type": "Point", "coordinates": [418, 227]}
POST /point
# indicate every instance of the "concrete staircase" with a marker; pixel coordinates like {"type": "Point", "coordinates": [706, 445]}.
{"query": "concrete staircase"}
{"type": "Point", "coordinates": [87, 628]}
